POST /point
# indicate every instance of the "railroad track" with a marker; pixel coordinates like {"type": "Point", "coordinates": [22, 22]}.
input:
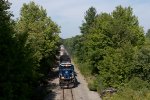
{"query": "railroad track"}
{"type": "Point", "coordinates": [67, 94]}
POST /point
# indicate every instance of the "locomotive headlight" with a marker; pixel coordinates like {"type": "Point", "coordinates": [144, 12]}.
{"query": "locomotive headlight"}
{"type": "Point", "coordinates": [71, 77]}
{"type": "Point", "coordinates": [62, 77]}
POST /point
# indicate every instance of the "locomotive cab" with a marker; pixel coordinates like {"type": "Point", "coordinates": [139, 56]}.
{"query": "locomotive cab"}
{"type": "Point", "coordinates": [66, 75]}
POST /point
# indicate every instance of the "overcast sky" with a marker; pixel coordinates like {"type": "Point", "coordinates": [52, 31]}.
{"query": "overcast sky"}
{"type": "Point", "coordinates": [69, 14]}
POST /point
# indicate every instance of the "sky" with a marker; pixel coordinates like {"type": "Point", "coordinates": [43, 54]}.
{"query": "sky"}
{"type": "Point", "coordinates": [69, 14]}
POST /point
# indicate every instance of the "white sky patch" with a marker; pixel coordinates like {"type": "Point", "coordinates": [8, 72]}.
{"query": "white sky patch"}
{"type": "Point", "coordinates": [69, 14]}
{"type": "Point", "coordinates": [143, 14]}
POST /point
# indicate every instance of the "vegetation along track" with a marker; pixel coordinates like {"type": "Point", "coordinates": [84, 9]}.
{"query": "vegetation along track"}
{"type": "Point", "coordinates": [67, 94]}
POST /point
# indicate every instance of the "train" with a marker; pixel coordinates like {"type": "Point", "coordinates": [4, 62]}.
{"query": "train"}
{"type": "Point", "coordinates": [66, 72]}
{"type": "Point", "coordinates": [66, 75]}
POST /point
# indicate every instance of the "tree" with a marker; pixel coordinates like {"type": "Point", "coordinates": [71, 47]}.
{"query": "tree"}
{"type": "Point", "coordinates": [42, 34]}
{"type": "Point", "coordinates": [6, 50]}
{"type": "Point", "coordinates": [89, 19]}
{"type": "Point", "coordinates": [148, 33]}
{"type": "Point", "coordinates": [123, 37]}
{"type": "Point", "coordinates": [25, 50]}
{"type": "Point", "coordinates": [15, 69]}
{"type": "Point", "coordinates": [126, 27]}
{"type": "Point", "coordinates": [110, 44]}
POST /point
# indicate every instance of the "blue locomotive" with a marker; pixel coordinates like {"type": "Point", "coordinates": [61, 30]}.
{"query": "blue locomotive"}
{"type": "Point", "coordinates": [66, 75]}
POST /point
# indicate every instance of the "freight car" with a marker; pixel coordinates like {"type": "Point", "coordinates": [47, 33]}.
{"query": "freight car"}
{"type": "Point", "coordinates": [65, 59]}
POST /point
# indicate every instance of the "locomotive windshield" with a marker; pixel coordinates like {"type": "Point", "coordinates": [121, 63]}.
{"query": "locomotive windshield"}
{"type": "Point", "coordinates": [66, 66]}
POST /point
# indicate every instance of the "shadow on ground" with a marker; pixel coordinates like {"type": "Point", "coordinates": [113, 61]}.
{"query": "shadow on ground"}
{"type": "Point", "coordinates": [53, 74]}
{"type": "Point", "coordinates": [76, 83]}
{"type": "Point", "coordinates": [51, 95]}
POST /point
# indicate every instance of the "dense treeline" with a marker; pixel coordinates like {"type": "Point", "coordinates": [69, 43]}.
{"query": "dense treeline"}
{"type": "Point", "coordinates": [27, 50]}
{"type": "Point", "coordinates": [113, 51]}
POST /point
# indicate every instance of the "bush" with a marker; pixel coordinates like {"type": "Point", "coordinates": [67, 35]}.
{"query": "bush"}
{"type": "Point", "coordinates": [138, 84]}
{"type": "Point", "coordinates": [130, 94]}
{"type": "Point", "coordinates": [135, 89]}
{"type": "Point", "coordinates": [92, 85]}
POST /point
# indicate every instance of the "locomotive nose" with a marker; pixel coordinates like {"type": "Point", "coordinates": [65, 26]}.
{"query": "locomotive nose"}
{"type": "Point", "coordinates": [66, 72]}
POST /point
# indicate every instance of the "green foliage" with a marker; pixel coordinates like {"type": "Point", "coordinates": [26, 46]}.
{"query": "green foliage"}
{"type": "Point", "coordinates": [42, 34]}
{"type": "Point", "coordinates": [129, 94]}
{"type": "Point", "coordinates": [126, 27]}
{"type": "Point", "coordinates": [135, 89]}
{"type": "Point", "coordinates": [142, 60]}
{"type": "Point", "coordinates": [137, 84]}
{"type": "Point", "coordinates": [27, 50]}
{"type": "Point", "coordinates": [92, 86]}
{"type": "Point", "coordinates": [89, 19]}
{"type": "Point", "coordinates": [148, 34]}
{"type": "Point", "coordinates": [95, 83]}
{"type": "Point", "coordinates": [114, 49]}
